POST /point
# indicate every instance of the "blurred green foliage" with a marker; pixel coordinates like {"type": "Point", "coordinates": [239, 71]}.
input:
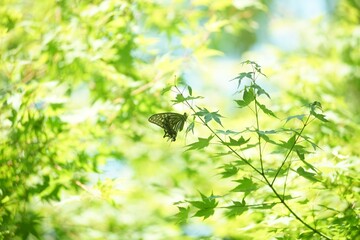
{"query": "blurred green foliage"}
{"type": "Point", "coordinates": [78, 160]}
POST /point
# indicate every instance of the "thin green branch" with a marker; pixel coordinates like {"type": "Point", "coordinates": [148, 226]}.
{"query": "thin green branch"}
{"type": "Point", "coordinates": [258, 125]}
{"type": "Point", "coordinates": [287, 175]}
{"type": "Point", "coordinates": [258, 205]}
{"type": "Point", "coordinates": [293, 213]}
{"type": "Point", "coordinates": [282, 200]}
{"type": "Point", "coordinates": [219, 138]}
{"type": "Point", "coordinates": [291, 149]}
{"type": "Point", "coordinates": [259, 138]}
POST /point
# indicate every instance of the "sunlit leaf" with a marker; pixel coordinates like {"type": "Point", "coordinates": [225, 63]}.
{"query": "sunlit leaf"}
{"type": "Point", "coordinates": [229, 170]}
{"type": "Point", "coordinates": [236, 209]}
{"type": "Point", "coordinates": [206, 206]}
{"type": "Point", "coordinates": [190, 127]}
{"type": "Point", "coordinates": [180, 98]}
{"type": "Point", "coordinates": [166, 89]}
{"type": "Point", "coordinates": [272, 172]}
{"type": "Point", "coordinates": [208, 116]}
{"type": "Point", "coordinates": [290, 143]}
{"type": "Point", "coordinates": [248, 97]}
{"type": "Point", "coordinates": [299, 117]}
{"type": "Point", "coordinates": [182, 216]}
{"type": "Point", "coordinates": [220, 154]}
{"type": "Point", "coordinates": [256, 66]}
{"type": "Point", "coordinates": [245, 185]}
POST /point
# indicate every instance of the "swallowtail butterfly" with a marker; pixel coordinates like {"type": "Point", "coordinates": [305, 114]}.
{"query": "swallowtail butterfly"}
{"type": "Point", "coordinates": [172, 123]}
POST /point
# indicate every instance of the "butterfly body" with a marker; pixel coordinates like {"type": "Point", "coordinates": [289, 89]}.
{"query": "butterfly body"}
{"type": "Point", "coordinates": [172, 123]}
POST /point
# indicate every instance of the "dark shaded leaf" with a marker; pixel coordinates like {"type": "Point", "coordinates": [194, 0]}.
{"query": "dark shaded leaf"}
{"type": "Point", "coordinates": [13, 116]}
{"type": "Point", "coordinates": [308, 175]}
{"type": "Point", "coordinates": [202, 143]}
{"type": "Point", "coordinates": [264, 136]}
{"type": "Point", "coordinates": [260, 90]}
{"type": "Point", "coordinates": [190, 90]}
{"type": "Point", "coordinates": [241, 103]}
{"type": "Point", "coordinates": [314, 145]}
{"type": "Point", "coordinates": [243, 75]}
{"type": "Point", "coordinates": [288, 197]}
{"type": "Point", "coordinates": [319, 116]}
{"type": "Point", "coordinates": [38, 188]}
{"type": "Point", "coordinates": [317, 106]}
{"type": "Point", "coordinates": [54, 194]}
{"type": "Point", "coordinates": [301, 154]}
{"type": "Point", "coordinates": [266, 110]}
{"type": "Point", "coordinates": [28, 225]}
{"type": "Point", "coordinates": [238, 142]}
{"type": "Point", "coordinates": [290, 143]}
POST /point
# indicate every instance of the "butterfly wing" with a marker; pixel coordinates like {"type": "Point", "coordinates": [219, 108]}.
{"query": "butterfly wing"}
{"type": "Point", "coordinates": [158, 119]}
{"type": "Point", "coordinates": [170, 122]}
{"type": "Point", "coordinates": [177, 121]}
